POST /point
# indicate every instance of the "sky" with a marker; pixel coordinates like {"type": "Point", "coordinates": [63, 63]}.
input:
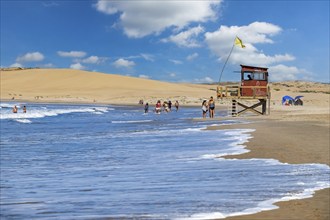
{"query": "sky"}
{"type": "Point", "coordinates": [169, 40]}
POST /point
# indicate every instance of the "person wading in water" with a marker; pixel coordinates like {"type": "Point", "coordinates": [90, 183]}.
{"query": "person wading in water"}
{"type": "Point", "coordinates": [211, 107]}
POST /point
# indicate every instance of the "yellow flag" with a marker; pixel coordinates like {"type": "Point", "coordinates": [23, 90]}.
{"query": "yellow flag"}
{"type": "Point", "coordinates": [239, 42]}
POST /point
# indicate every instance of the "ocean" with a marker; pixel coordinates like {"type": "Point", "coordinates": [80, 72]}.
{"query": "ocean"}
{"type": "Point", "coordinates": [61, 161]}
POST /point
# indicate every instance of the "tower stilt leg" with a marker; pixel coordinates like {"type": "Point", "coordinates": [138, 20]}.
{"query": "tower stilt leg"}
{"type": "Point", "coordinates": [234, 108]}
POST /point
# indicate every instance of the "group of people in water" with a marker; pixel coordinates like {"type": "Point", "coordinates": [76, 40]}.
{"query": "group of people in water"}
{"type": "Point", "coordinates": [166, 106]}
{"type": "Point", "coordinates": [15, 109]}
{"type": "Point", "coordinates": [208, 106]}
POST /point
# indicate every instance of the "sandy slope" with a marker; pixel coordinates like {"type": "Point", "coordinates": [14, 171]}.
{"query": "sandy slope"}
{"type": "Point", "coordinates": [67, 85]}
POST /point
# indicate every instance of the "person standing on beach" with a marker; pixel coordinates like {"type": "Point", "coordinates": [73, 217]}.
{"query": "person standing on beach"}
{"type": "Point", "coordinates": [176, 105]}
{"type": "Point", "coordinates": [211, 107]}
{"type": "Point", "coordinates": [204, 108]}
{"type": "Point", "coordinates": [170, 105]}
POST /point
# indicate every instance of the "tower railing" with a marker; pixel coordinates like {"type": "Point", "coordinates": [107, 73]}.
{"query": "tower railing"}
{"type": "Point", "coordinates": [235, 92]}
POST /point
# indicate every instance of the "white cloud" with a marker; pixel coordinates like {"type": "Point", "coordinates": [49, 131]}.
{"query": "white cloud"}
{"type": "Point", "coordinates": [192, 56]}
{"type": "Point", "coordinates": [16, 65]}
{"type": "Point", "coordinates": [92, 60]}
{"type": "Point", "coordinates": [122, 63]}
{"type": "Point", "coordinates": [30, 57]}
{"type": "Point", "coordinates": [172, 74]}
{"type": "Point", "coordinates": [50, 4]}
{"type": "Point", "coordinates": [105, 7]}
{"type": "Point", "coordinates": [48, 65]}
{"type": "Point", "coordinates": [144, 76]}
{"type": "Point", "coordinates": [176, 62]}
{"type": "Point", "coordinates": [74, 54]}
{"type": "Point", "coordinates": [77, 66]}
{"type": "Point", "coordinates": [221, 41]}
{"type": "Point", "coordinates": [204, 80]}
{"type": "Point", "coordinates": [142, 18]}
{"type": "Point", "coordinates": [186, 38]}
{"type": "Point", "coordinates": [282, 73]}
{"type": "Point", "coordinates": [147, 57]}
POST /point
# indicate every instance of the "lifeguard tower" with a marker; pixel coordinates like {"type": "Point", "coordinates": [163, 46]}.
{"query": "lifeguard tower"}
{"type": "Point", "coordinates": [252, 89]}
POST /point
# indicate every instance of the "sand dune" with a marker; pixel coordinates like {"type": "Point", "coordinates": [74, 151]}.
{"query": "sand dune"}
{"type": "Point", "coordinates": [67, 85]}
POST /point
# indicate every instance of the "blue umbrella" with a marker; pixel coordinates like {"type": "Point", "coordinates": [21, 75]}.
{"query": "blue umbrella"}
{"type": "Point", "coordinates": [286, 98]}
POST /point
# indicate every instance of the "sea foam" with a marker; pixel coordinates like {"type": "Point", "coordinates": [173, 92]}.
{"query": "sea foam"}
{"type": "Point", "coordinates": [43, 111]}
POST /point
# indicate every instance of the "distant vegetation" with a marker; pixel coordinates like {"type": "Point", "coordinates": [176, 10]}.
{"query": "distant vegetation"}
{"type": "Point", "coordinates": [18, 68]}
{"type": "Point", "coordinates": [313, 91]}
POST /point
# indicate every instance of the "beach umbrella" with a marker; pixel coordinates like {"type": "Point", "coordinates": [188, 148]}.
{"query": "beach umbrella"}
{"type": "Point", "coordinates": [286, 98]}
{"type": "Point", "coordinates": [298, 101]}
{"type": "Point", "coordinates": [298, 97]}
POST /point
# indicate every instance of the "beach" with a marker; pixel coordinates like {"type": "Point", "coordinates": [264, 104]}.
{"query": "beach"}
{"type": "Point", "coordinates": [290, 134]}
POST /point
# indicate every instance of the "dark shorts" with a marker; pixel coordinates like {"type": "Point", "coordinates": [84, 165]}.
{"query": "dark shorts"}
{"type": "Point", "coordinates": [212, 108]}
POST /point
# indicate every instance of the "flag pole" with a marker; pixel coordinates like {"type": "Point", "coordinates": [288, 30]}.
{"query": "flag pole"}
{"type": "Point", "coordinates": [226, 62]}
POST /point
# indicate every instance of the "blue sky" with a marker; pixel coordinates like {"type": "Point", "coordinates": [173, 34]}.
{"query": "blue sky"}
{"type": "Point", "coordinates": [175, 41]}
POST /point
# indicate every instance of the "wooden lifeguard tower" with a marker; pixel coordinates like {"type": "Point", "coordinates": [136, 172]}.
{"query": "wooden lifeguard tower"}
{"type": "Point", "coordinates": [253, 89]}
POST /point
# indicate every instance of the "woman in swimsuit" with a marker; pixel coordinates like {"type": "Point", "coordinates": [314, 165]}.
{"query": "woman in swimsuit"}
{"type": "Point", "coordinates": [211, 107]}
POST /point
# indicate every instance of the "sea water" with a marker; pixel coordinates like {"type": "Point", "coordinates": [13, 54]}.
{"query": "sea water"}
{"type": "Point", "coordinates": [115, 162]}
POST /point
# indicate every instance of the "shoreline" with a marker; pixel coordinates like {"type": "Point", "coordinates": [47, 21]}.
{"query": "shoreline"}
{"type": "Point", "coordinates": [285, 140]}
{"type": "Point", "coordinates": [190, 105]}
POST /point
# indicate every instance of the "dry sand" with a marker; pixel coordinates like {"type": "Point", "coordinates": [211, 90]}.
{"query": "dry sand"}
{"type": "Point", "coordinates": [67, 85]}
{"type": "Point", "coordinates": [291, 134]}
